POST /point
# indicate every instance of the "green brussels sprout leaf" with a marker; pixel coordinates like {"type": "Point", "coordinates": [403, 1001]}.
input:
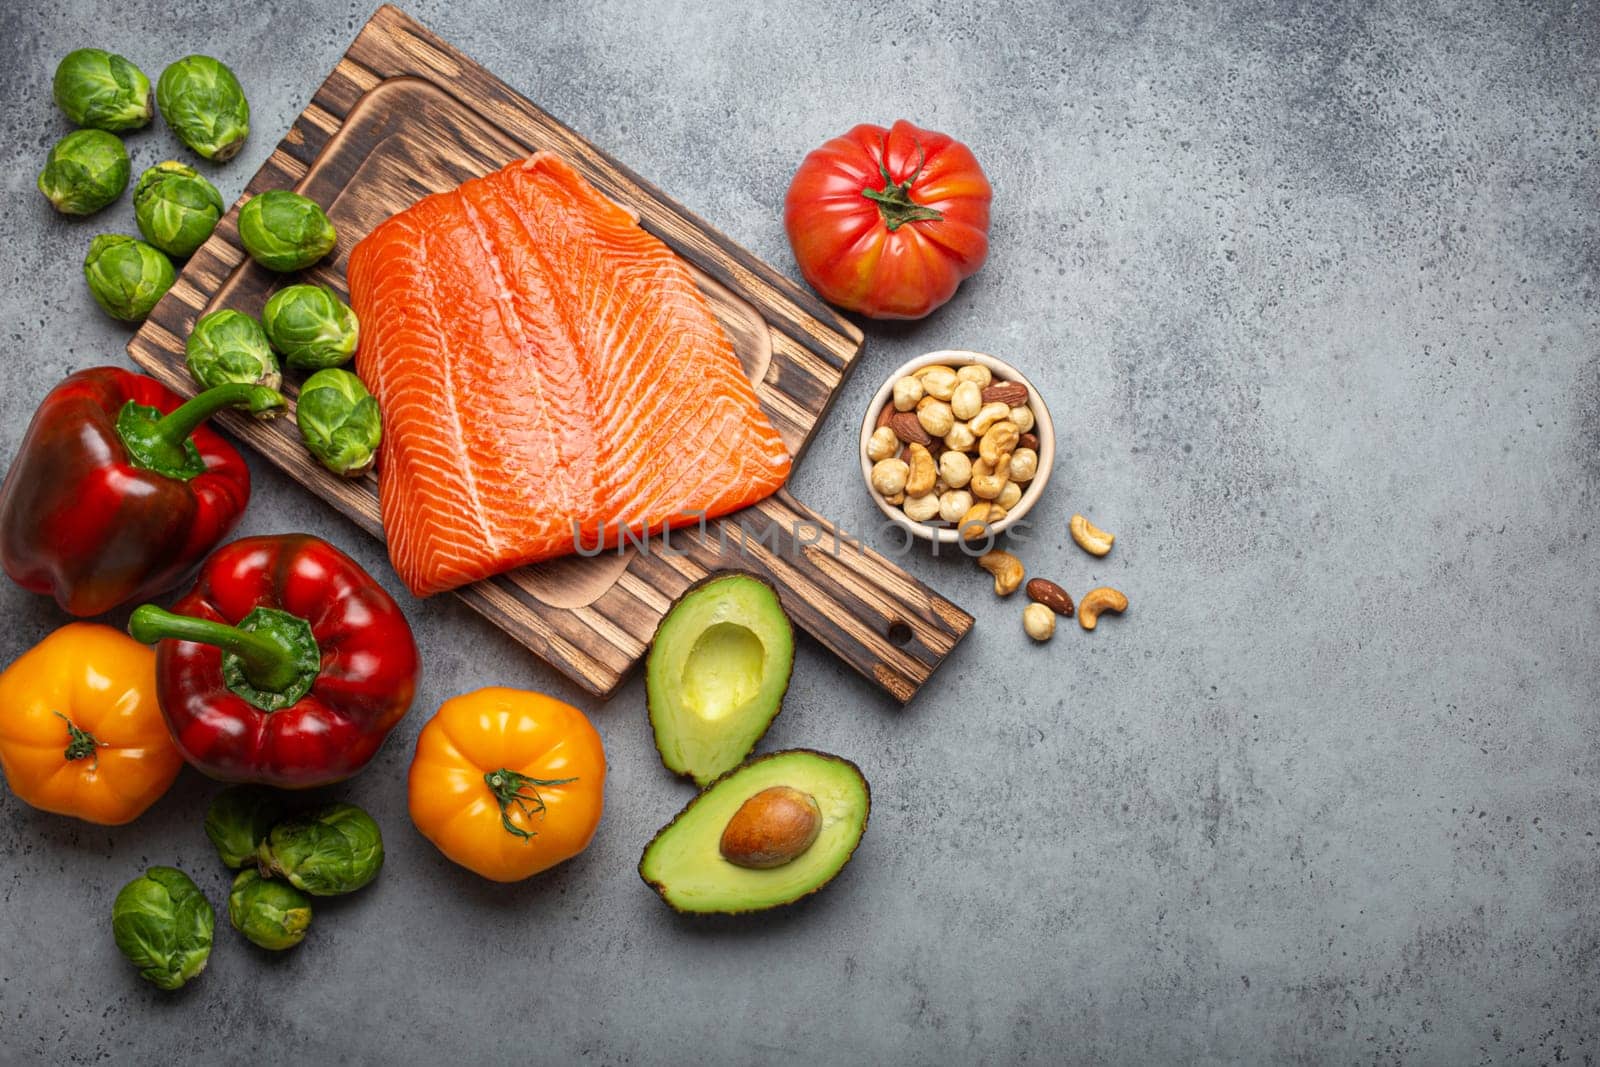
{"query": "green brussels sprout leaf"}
{"type": "Point", "coordinates": [274, 915]}
{"type": "Point", "coordinates": [126, 276]}
{"type": "Point", "coordinates": [228, 346]}
{"type": "Point", "coordinates": [285, 231]}
{"type": "Point", "coordinates": [311, 327]}
{"type": "Point", "coordinates": [339, 422]}
{"type": "Point", "coordinates": [176, 208]}
{"type": "Point", "coordinates": [101, 90]}
{"type": "Point", "coordinates": [85, 171]}
{"type": "Point", "coordinates": [332, 850]}
{"type": "Point", "coordinates": [205, 106]}
{"type": "Point", "coordinates": [163, 924]}
{"type": "Point", "coordinates": [239, 819]}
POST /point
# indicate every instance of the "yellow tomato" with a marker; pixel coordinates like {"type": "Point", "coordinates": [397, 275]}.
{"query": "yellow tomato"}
{"type": "Point", "coordinates": [508, 783]}
{"type": "Point", "coordinates": [80, 730]}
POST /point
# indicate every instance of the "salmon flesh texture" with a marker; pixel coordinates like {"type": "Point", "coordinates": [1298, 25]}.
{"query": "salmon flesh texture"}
{"type": "Point", "coordinates": [547, 372]}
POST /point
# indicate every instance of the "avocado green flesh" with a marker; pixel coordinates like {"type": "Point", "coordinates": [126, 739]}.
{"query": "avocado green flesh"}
{"type": "Point", "coordinates": [685, 864]}
{"type": "Point", "coordinates": [716, 674]}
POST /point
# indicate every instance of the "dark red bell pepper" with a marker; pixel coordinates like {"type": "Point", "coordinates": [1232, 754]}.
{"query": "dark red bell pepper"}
{"type": "Point", "coordinates": [286, 665]}
{"type": "Point", "coordinates": [119, 490]}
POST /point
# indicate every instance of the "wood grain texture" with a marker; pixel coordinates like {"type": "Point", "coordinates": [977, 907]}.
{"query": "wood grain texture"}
{"type": "Point", "coordinates": [403, 115]}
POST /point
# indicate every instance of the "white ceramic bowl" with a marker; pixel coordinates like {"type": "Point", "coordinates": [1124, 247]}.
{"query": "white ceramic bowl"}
{"type": "Point", "coordinates": [1043, 428]}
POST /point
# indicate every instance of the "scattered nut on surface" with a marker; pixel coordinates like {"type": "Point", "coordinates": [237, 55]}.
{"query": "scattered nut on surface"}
{"type": "Point", "coordinates": [907, 391]}
{"type": "Point", "coordinates": [923, 508]}
{"type": "Point", "coordinates": [889, 476]}
{"type": "Point", "coordinates": [956, 469]}
{"type": "Point", "coordinates": [882, 444]}
{"type": "Point", "coordinates": [1010, 493]}
{"type": "Point", "coordinates": [939, 381]}
{"type": "Point", "coordinates": [1023, 417]}
{"type": "Point", "coordinates": [1090, 537]}
{"type": "Point", "coordinates": [935, 416]}
{"type": "Point", "coordinates": [1006, 568]}
{"type": "Point", "coordinates": [1039, 622]}
{"type": "Point", "coordinates": [1097, 601]}
{"type": "Point", "coordinates": [967, 400]}
{"type": "Point", "coordinates": [986, 417]}
{"type": "Point", "coordinates": [954, 504]}
{"type": "Point", "coordinates": [923, 472]}
{"type": "Point", "coordinates": [1044, 591]}
{"type": "Point", "coordinates": [976, 373]}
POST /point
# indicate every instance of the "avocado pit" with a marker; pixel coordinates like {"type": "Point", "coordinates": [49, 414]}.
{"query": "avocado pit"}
{"type": "Point", "coordinates": [774, 827]}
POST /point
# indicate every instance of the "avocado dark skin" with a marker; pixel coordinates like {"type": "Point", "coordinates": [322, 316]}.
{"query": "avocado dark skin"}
{"type": "Point", "coordinates": [683, 862]}
{"type": "Point", "coordinates": [716, 673]}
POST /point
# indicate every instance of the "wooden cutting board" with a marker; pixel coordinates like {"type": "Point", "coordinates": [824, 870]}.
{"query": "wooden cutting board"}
{"type": "Point", "coordinates": [404, 115]}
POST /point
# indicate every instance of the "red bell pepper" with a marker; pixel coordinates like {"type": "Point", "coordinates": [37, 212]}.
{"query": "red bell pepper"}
{"type": "Point", "coordinates": [287, 665]}
{"type": "Point", "coordinates": [119, 490]}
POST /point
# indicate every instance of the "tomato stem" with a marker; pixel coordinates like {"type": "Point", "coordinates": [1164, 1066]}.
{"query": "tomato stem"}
{"type": "Point", "coordinates": [80, 742]}
{"type": "Point", "coordinates": [510, 788]}
{"type": "Point", "coordinates": [894, 199]}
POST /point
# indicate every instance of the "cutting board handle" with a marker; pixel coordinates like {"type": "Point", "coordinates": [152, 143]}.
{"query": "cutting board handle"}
{"type": "Point", "coordinates": [880, 620]}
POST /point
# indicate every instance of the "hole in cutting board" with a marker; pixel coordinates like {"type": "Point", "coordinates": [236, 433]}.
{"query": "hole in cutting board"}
{"type": "Point", "coordinates": [900, 633]}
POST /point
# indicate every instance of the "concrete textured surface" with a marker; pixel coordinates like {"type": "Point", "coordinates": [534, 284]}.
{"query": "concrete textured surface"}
{"type": "Point", "coordinates": [1312, 289]}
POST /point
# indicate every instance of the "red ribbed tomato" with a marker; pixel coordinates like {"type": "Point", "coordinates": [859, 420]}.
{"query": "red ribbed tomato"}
{"type": "Point", "coordinates": [888, 222]}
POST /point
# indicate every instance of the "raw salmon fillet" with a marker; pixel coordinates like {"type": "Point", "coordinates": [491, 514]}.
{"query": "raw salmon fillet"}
{"type": "Point", "coordinates": [547, 370]}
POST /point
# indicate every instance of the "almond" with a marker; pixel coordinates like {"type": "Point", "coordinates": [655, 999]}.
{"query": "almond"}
{"type": "Point", "coordinates": [1029, 440]}
{"type": "Point", "coordinates": [1044, 591]}
{"type": "Point", "coordinates": [885, 414]}
{"type": "Point", "coordinates": [908, 429]}
{"type": "Point", "coordinates": [1011, 394]}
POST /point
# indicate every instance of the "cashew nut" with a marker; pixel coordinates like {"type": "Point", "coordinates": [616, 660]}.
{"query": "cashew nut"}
{"type": "Point", "coordinates": [974, 525]}
{"type": "Point", "coordinates": [1022, 415]}
{"type": "Point", "coordinates": [955, 468]}
{"type": "Point", "coordinates": [935, 416]}
{"type": "Point", "coordinates": [961, 438]}
{"type": "Point", "coordinates": [922, 508]}
{"type": "Point", "coordinates": [882, 444]}
{"type": "Point", "coordinates": [1009, 496]}
{"type": "Point", "coordinates": [954, 504]}
{"type": "Point", "coordinates": [1097, 601]}
{"type": "Point", "coordinates": [987, 483]}
{"type": "Point", "coordinates": [894, 500]}
{"type": "Point", "coordinates": [1090, 537]}
{"type": "Point", "coordinates": [938, 382]}
{"type": "Point", "coordinates": [1039, 622]}
{"type": "Point", "coordinates": [923, 473]}
{"type": "Point", "coordinates": [1006, 568]}
{"type": "Point", "coordinates": [1001, 440]}
{"type": "Point", "coordinates": [889, 476]}
{"type": "Point", "coordinates": [987, 416]}
{"type": "Point", "coordinates": [976, 373]}
{"type": "Point", "coordinates": [907, 391]}
{"type": "Point", "coordinates": [1024, 465]}
{"type": "Point", "coordinates": [967, 400]}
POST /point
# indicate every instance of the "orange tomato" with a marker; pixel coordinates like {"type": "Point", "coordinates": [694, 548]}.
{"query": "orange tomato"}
{"type": "Point", "coordinates": [81, 733]}
{"type": "Point", "coordinates": [508, 783]}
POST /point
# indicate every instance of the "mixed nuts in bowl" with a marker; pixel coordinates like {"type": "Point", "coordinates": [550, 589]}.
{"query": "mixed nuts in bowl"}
{"type": "Point", "coordinates": [957, 445]}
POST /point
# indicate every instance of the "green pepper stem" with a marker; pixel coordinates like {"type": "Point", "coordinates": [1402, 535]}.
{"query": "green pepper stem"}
{"type": "Point", "coordinates": [270, 662]}
{"type": "Point", "coordinates": [161, 442]}
{"type": "Point", "coordinates": [80, 742]}
{"type": "Point", "coordinates": [510, 788]}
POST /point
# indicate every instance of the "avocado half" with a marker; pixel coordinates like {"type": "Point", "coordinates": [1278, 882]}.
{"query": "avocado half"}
{"type": "Point", "coordinates": [684, 862]}
{"type": "Point", "coordinates": [716, 673]}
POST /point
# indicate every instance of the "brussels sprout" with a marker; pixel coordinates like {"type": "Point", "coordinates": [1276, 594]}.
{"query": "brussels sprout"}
{"type": "Point", "coordinates": [203, 103]}
{"type": "Point", "coordinates": [85, 171]}
{"type": "Point", "coordinates": [332, 850]}
{"type": "Point", "coordinates": [310, 327]}
{"type": "Point", "coordinates": [228, 346]}
{"type": "Point", "coordinates": [274, 915]}
{"type": "Point", "coordinates": [102, 90]}
{"type": "Point", "coordinates": [239, 819]}
{"type": "Point", "coordinates": [163, 923]}
{"type": "Point", "coordinates": [176, 208]}
{"type": "Point", "coordinates": [339, 422]}
{"type": "Point", "coordinates": [285, 231]}
{"type": "Point", "coordinates": [126, 275]}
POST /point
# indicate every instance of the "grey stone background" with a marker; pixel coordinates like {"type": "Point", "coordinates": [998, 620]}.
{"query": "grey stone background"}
{"type": "Point", "coordinates": [1312, 290]}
